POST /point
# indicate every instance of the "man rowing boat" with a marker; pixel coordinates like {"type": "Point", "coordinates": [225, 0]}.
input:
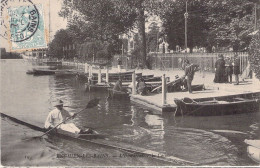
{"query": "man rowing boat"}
{"type": "Point", "coordinates": [59, 115]}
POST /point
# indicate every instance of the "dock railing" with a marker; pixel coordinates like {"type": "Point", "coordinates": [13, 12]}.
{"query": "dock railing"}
{"type": "Point", "coordinates": [171, 61]}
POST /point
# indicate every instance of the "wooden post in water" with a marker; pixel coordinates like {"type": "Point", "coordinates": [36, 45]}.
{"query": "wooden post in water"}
{"type": "Point", "coordinates": [86, 68]}
{"type": "Point", "coordinates": [99, 74]}
{"type": "Point", "coordinates": [107, 80]}
{"type": "Point", "coordinates": [133, 84]}
{"type": "Point", "coordinates": [89, 70]}
{"type": "Point", "coordinates": [164, 90]}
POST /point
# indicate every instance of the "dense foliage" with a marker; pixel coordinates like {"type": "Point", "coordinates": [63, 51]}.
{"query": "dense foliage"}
{"type": "Point", "coordinates": [218, 23]}
{"type": "Point", "coordinates": [56, 46]}
{"type": "Point", "coordinates": [105, 20]}
{"type": "Point", "coordinates": [254, 54]}
{"type": "Point", "coordinates": [224, 23]}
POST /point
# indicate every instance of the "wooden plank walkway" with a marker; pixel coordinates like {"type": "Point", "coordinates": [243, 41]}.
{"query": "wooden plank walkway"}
{"type": "Point", "coordinates": [212, 90]}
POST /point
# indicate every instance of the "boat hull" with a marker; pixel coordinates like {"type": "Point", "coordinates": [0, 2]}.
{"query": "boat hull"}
{"type": "Point", "coordinates": [216, 108]}
{"type": "Point", "coordinates": [119, 95]}
{"type": "Point", "coordinates": [43, 72]}
{"type": "Point", "coordinates": [58, 132]}
{"type": "Point", "coordinates": [254, 153]}
{"type": "Point", "coordinates": [87, 136]}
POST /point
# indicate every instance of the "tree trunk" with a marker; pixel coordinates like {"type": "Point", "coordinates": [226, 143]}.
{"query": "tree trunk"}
{"type": "Point", "coordinates": [141, 32]}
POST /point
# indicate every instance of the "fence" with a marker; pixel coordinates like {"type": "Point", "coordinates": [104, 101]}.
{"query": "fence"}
{"type": "Point", "coordinates": [172, 61]}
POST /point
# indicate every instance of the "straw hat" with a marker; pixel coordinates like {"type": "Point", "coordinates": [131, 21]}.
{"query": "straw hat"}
{"type": "Point", "coordinates": [58, 103]}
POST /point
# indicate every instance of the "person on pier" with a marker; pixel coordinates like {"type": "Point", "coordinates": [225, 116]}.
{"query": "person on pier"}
{"type": "Point", "coordinates": [236, 65]}
{"type": "Point", "coordinates": [190, 70]}
{"type": "Point", "coordinates": [220, 70]}
{"type": "Point", "coordinates": [141, 87]}
{"type": "Point", "coordinates": [58, 115]}
{"type": "Point", "coordinates": [228, 70]}
{"type": "Point", "coordinates": [118, 86]}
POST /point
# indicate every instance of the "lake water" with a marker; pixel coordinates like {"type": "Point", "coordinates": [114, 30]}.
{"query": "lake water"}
{"type": "Point", "coordinates": [29, 98]}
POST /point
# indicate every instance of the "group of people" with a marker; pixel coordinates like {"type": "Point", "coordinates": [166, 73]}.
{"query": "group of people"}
{"type": "Point", "coordinates": [225, 68]}
{"type": "Point", "coordinates": [186, 80]}
{"type": "Point", "coordinates": [141, 86]}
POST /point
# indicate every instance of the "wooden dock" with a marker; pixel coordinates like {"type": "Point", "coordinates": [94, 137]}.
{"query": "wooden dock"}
{"type": "Point", "coordinates": [212, 91]}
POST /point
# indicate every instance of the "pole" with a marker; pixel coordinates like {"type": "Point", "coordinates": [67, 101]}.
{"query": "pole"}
{"type": "Point", "coordinates": [107, 77]}
{"type": "Point", "coordinates": [99, 75]}
{"type": "Point", "coordinates": [157, 43]}
{"type": "Point", "coordinates": [93, 55]}
{"type": "Point", "coordinates": [49, 21]}
{"type": "Point", "coordinates": [89, 70]}
{"type": "Point", "coordinates": [163, 90]}
{"type": "Point", "coordinates": [186, 17]}
{"type": "Point", "coordinates": [255, 16]}
{"type": "Point", "coordinates": [133, 84]}
{"type": "Point", "coordinates": [122, 54]}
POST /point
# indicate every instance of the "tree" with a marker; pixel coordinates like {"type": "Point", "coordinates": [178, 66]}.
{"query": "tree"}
{"type": "Point", "coordinates": [91, 51]}
{"type": "Point", "coordinates": [223, 23]}
{"type": "Point", "coordinates": [174, 23]}
{"type": "Point", "coordinates": [230, 23]}
{"type": "Point", "coordinates": [152, 37]}
{"type": "Point", "coordinates": [97, 20]}
{"type": "Point", "coordinates": [254, 54]}
{"type": "Point", "coordinates": [61, 39]}
{"type": "Point", "coordinates": [106, 19]}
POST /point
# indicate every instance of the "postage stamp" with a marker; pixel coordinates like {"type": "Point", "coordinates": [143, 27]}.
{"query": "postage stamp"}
{"type": "Point", "coordinates": [26, 27]}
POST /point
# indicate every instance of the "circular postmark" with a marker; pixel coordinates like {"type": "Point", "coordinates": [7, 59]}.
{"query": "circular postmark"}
{"type": "Point", "coordinates": [24, 21]}
{"type": "Point", "coordinates": [19, 19]}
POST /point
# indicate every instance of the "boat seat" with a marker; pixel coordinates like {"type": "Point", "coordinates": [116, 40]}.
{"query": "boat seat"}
{"type": "Point", "coordinates": [240, 98]}
{"type": "Point", "coordinates": [223, 102]}
{"type": "Point", "coordinates": [188, 100]}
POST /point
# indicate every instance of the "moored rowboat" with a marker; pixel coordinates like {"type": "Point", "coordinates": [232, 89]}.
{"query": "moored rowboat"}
{"type": "Point", "coordinates": [254, 153]}
{"type": "Point", "coordinates": [41, 72]}
{"type": "Point", "coordinates": [216, 107]}
{"type": "Point", "coordinates": [253, 149]}
{"type": "Point", "coordinates": [113, 94]}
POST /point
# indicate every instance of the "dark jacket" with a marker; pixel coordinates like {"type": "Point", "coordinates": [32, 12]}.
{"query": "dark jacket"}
{"type": "Point", "coordinates": [118, 86]}
{"type": "Point", "coordinates": [220, 71]}
{"type": "Point", "coordinates": [237, 66]}
{"type": "Point", "coordinates": [229, 67]}
{"type": "Point", "coordinates": [141, 86]}
{"type": "Point", "coordinates": [190, 70]}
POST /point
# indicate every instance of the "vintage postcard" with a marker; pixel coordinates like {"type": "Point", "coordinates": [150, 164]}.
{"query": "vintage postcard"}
{"type": "Point", "coordinates": [130, 83]}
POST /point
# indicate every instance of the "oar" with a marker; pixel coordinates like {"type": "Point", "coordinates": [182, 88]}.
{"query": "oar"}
{"type": "Point", "coordinates": [92, 103]}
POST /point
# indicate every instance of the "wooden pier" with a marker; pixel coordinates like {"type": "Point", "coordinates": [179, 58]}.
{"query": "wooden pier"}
{"type": "Point", "coordinates": [164, 102]}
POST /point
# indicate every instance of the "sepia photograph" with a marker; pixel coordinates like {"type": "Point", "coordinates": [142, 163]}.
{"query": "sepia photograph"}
{"type": "Point", "coordinates": [130, 83]}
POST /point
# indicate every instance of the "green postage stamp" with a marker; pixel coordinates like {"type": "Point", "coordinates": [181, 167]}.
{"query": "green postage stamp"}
{"type": "Point", "coordinates": [26, 25]}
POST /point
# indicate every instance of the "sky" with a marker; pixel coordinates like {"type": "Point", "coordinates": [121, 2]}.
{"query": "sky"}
{"type": "Point", "coordinates": [56, 22]}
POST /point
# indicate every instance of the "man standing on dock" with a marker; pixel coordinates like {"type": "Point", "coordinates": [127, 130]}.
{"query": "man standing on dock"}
{"type": "Point", "coordinates": [236, 65]}
{"type": "Point", "coordinates": [59, 115]}
{"type": "Point", "coordinates": [190, 70]}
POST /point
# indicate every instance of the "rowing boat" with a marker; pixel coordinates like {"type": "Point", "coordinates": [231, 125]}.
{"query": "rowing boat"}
{"type": "Point", "coordinates": [93, 135]}
{"type": "Point", "coordinates": [113, 144]}
{"type": "Point", "coordinates": [43, 72]}
{"type": "Point", "coordinates": [58, 132]}
{"type": "Point", "coordinates": [214, 107]}
{"type": "Point", "coordinates": [253, 149]}
{"type": "Point", "coordinates": [113, 94]}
